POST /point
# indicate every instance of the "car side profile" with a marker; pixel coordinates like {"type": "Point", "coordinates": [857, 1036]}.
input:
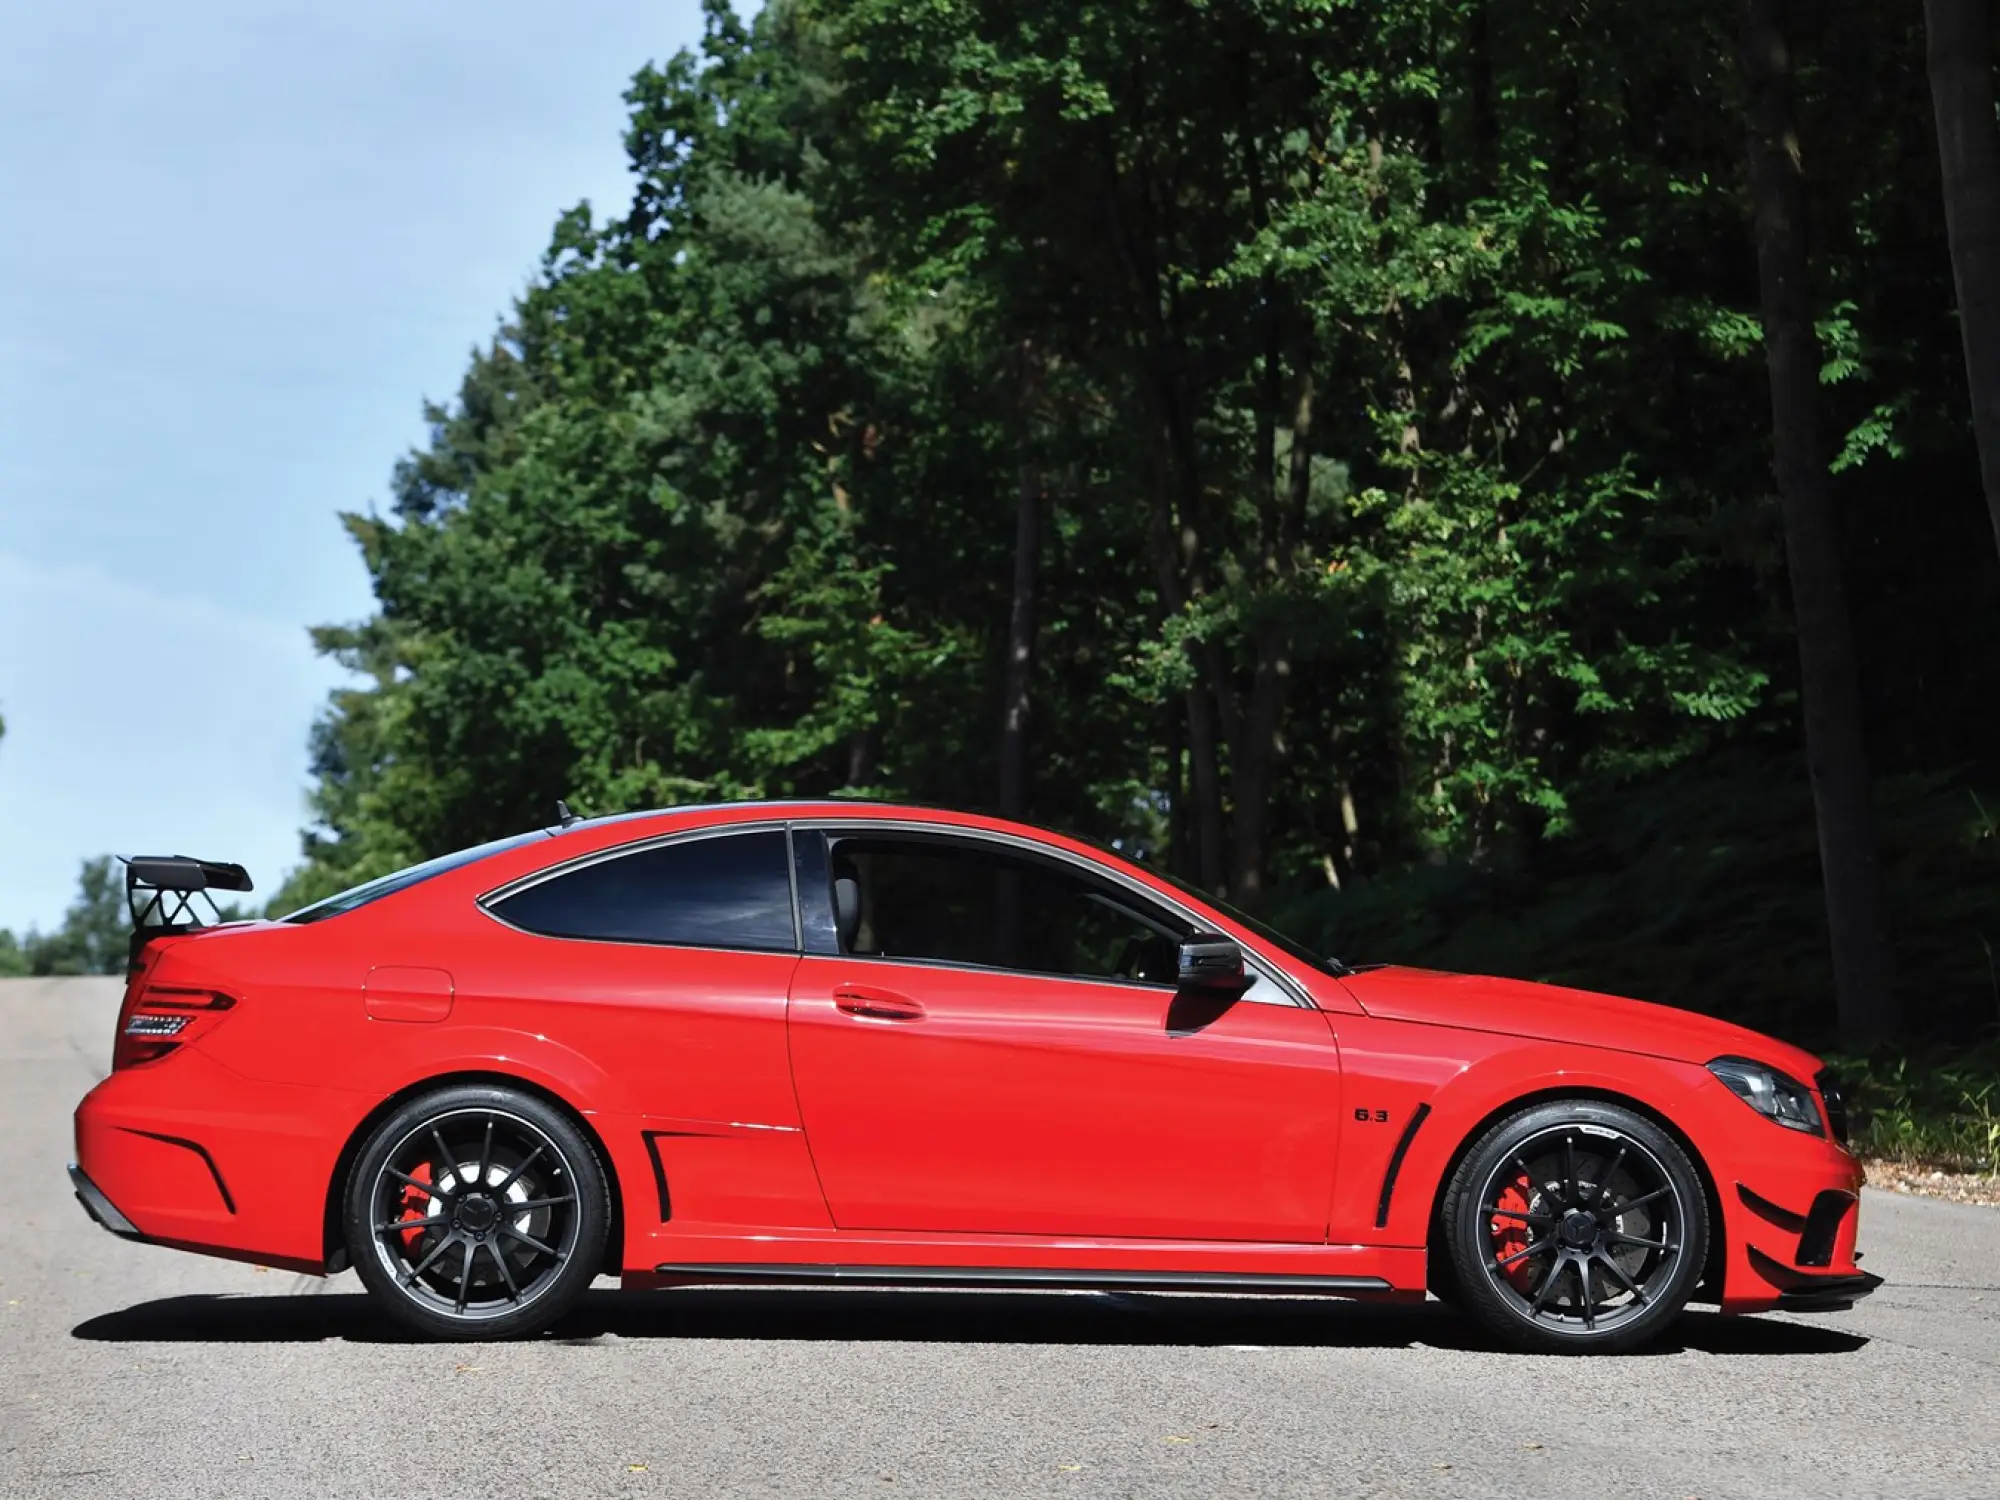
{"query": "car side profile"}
{"type": "Point", "coordinates": [858, 1043]}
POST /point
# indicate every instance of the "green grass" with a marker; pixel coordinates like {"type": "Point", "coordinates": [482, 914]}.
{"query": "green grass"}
{"type": "Point", "coordinates": [1938, 1109]}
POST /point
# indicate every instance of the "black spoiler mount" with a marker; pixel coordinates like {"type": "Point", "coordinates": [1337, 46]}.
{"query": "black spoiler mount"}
{"type": "Point", "coordinates": [160, 892]}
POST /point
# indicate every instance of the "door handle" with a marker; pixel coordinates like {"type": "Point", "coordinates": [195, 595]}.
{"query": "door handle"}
{"type": "Point", "coordinates": [882, 1005]}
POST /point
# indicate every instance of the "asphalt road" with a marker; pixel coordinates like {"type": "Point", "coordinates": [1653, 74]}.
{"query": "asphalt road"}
{"type": "Point", "coordinates": [132, 1371]}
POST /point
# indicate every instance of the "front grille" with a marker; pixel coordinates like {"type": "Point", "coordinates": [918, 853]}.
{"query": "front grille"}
{"type": "Point", "coordinates": [1836, 1105]}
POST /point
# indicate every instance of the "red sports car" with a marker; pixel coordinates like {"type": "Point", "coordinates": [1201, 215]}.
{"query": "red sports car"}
{"type": "Point", "coordinates": [867, 1044]}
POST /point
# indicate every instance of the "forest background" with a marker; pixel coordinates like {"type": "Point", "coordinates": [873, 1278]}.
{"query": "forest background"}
{"type": "Point", "coordinates": [1497, 487]}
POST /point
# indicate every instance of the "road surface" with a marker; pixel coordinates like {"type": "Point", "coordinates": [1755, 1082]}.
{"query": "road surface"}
{"type": "Point", "coordinates": [129, 1371]}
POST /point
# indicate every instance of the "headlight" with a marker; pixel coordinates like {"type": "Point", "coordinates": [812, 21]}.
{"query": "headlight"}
{"type": "Point", "coordinates": [1774, 1095]}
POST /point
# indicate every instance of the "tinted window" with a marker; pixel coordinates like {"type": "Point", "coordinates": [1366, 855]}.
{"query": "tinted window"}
{"type": "Point", "coordinates": [728, 892]}
{"type": "Point", "coordinates": [961, 903]}
{"type": "Point", "coordinates": [1326, 963]}
{"type": "Point", "coordinates": [388, 885]}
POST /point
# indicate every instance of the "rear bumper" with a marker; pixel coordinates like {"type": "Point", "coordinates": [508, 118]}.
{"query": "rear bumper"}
{"type": "Point", "coordinates": [100, 1208]}
{"type": "Point", "coordinates": [191, 1155]}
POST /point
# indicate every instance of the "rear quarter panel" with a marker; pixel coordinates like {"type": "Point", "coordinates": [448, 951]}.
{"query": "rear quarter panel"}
{"type": "Point", "coordinates": [657, 1048]}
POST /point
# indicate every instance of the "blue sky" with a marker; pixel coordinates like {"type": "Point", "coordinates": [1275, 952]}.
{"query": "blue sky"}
{"type": "Point", "coordinates": [243, 241]}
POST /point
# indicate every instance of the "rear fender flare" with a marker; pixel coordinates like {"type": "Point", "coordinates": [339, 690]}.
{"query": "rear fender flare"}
{"type": "Point", "coordinates": [561, 1074]}
{"type": "Point", "coordinates": [551, 1066]}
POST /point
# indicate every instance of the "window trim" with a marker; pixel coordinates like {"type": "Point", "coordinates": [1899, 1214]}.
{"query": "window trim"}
{"type": "Point", "coordinates": [486, 901]}
{"type": "Point", "coordinates": [1253, 960]}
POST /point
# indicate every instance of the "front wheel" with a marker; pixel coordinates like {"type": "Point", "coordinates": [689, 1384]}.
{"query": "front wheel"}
{"type": "Point", "coordinates": [477, 1212]}
{"type": "Point", "coordinates": [1576, 1226]}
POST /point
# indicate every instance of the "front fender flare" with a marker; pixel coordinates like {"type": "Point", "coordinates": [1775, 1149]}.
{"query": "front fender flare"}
{"type": "Point", "coordinates": [1513, 1076]}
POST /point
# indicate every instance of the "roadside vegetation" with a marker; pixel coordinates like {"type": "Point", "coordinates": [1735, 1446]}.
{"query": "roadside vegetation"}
{"type": "Point", "coordinates": [1934, 1110]}
{"type": "Point", "coordinates": [92, 937]}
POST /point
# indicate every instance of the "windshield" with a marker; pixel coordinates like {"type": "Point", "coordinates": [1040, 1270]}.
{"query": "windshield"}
{"type": "Point", "coordinates": [388, 885]}
{"type": "Point", "coordinates": [1325, 963]}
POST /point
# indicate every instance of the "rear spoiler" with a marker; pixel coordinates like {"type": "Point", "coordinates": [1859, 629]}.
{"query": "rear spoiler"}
{"type": "Point", "coordinates": [160, 892]}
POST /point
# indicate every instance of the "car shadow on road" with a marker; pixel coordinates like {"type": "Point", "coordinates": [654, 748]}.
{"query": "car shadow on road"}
{"type": "Point", "coordinates": [954, 1317]}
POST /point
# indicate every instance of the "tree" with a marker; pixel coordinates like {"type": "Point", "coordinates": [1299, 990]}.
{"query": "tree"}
{"type": "Point", "coordinates": [1835, 753]}
{"type": "Point", "coordinates": [93, 937]}
{"type": "Point", "coordinates": [1961, 75]}
{"type": "Point", "coordinates": [13, 962]}
{"type": "Point", "coordinates": [1028, 502]}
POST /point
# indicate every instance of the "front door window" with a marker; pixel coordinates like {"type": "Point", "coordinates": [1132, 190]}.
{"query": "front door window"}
{"type": "Point", "coordinates": [963, 904]}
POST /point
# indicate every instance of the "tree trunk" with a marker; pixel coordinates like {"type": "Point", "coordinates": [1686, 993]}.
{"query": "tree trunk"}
{"type": "Point", "coordinates": [1260, 749]}
{"type": "Point", "coordinates": [860, 758]}
{"type": "Point", "coordinates": [1252, 774]}
{"type": "Point", "coordinates": [1176, 530]}
{"type": "Point", "coordinates": [1020, 647]}
{"type": "Point", "coordinates": [1961, 69]}
{"type": "Point", "coordinates": [1835, 753]}
{"type": "Point", "coordinates": [1021, 617]}
{"type": "Point", "coordinates": [1204, 769]}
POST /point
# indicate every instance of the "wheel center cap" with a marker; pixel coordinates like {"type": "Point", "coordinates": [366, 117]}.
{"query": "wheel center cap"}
{"type": "Point", "coordinates": [477, 1215]}
{"type": "Point", "coordinates": [1578, 1229]}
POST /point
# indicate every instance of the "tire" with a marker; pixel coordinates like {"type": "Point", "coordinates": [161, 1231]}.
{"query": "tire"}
{"type": "Point", "coordinates": [427, 1230]}
{"type": "Point", "coordinates": [1576, 1227]}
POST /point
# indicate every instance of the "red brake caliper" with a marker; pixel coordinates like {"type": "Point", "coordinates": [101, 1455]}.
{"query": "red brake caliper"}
{"type": "Point", "coordinates": [417, 1205]}
{"type": "Point", "coordinates": [1511, 1235]}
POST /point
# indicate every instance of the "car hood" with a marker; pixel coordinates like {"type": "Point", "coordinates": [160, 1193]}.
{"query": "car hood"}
{"type": "Point", "coordinates": [1548, 1012]}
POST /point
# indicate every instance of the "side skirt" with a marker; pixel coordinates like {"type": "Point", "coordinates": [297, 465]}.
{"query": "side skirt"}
{"type": "Point", "coordinates": [689, 1252]}
{"type": "Point", "coordinates": [1005, 1276]}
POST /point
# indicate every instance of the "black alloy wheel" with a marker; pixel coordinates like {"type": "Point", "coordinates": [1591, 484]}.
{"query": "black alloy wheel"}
{"type": "Point", "coordinates": [1576, 1226]}
{"type": "Point", "coordinates": [477, 1213]}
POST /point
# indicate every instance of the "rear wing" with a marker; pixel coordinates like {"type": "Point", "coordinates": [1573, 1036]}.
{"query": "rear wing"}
{"type": "Point", "coordinates": [160, 892]}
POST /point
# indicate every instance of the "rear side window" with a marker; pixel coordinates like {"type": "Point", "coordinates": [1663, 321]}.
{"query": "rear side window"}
{"type": "Point", "coordinates": [734, 891]}
{"type": "Point", "coordinates": [388, 885]}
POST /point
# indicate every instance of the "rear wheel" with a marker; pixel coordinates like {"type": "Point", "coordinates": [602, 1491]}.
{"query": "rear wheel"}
{"type": "Point", "coordinates": [1576, 1226]}
{"type": "Point", "coordinates": [477, 1212]}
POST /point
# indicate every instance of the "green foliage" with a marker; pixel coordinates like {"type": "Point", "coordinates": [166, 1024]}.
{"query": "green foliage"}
{"type": "Point", "coordinates": [93, 936]}
{"type": "Point", "coordinates": [1698, 888]}
{"type": "Point", "coordinates": [1938, 1108]}
{"type": "Point", "coordinates": [1390, 382]}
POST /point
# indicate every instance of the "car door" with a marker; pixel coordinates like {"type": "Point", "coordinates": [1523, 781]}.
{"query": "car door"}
{"type": "Point", "coordinates": [988, 1040]}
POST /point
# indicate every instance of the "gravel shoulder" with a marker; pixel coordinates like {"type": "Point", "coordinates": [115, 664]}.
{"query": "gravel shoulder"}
{"type": "Point", "coordinates": [132, 1371]}
{"type": "Point", "coordinates": [1911, 1178]}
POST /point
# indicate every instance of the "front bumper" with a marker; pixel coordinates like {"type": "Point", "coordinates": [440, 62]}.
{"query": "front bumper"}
{"type": "Point", "coordinates": [1790, 1217]}
{"type": "Point", "coordinates": [1790, 1208]}
{"type": "Point", "coordinates": [1805, 1292]}
{"type": "Point", "coordinates": [100, 1208]}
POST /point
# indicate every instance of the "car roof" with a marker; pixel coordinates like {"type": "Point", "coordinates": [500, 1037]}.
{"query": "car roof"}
{"type": "Point", "coordinates": [866, 809]}
{"type": "Point", "coordinates": [776, 803]}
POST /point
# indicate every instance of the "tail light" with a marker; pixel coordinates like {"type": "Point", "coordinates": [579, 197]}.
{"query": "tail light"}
{"type": "Point", "coordinates": [155, 1020]}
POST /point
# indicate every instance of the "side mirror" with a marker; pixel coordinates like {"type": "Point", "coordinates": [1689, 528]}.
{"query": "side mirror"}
{"type": "Point", "coordinates": [1211, 964]}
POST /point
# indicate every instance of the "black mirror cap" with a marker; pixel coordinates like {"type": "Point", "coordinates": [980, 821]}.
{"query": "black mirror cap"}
{"type": "Point", "coordinates": [1212, 964]}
